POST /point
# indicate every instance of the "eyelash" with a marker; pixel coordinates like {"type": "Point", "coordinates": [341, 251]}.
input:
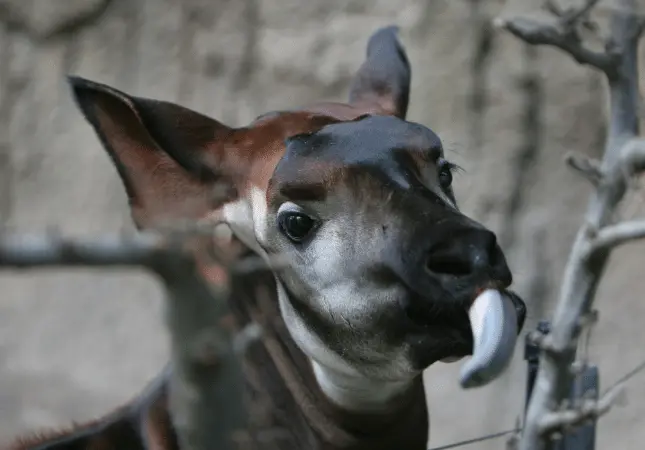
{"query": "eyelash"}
{"type": "Point", "coordinates": [452, 167]}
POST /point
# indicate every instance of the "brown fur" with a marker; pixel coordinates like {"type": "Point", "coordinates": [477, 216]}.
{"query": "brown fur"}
{"type": "Point", "coordinates": [122, 428]}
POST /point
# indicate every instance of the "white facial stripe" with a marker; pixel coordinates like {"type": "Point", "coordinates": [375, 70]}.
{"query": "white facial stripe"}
{"type": "Point", "coordinates": [260, 211]}
{"type": "Point", "coordinates": [247, 219]}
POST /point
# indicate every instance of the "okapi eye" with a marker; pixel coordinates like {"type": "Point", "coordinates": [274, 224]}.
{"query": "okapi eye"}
{"type": "Point", "coordinates": [296, 225]}
{"type": "Point", "coordinates": [445, 174]}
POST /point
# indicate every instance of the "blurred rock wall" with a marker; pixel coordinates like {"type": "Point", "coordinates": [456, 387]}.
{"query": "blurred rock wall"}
{"type": "Point", "coordinates": [73, 345]}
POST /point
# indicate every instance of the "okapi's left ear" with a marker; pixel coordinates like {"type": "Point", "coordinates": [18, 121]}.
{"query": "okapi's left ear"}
{"type": "Point", "coordinates": [384, 77]}
{"type": "Point", "coordinates": [169, 157]}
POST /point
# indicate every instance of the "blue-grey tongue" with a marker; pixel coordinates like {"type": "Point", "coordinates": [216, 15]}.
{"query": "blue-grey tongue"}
{"type": "Point", "coordinates": [494, 323]}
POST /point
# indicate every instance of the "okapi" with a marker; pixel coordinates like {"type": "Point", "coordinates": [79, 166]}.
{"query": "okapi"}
{"type": "Point", "coordinates": [385, 275]}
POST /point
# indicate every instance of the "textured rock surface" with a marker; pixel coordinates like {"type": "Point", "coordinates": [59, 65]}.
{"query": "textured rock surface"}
{"type": "Point", "coordinates": [74, 345]}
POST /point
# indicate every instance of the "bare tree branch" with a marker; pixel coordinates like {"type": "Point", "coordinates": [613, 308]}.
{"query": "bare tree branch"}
{"type": "Point", "coordinates": [34, 250]}
{"type": "Point", "coordinates": [633, 156]}
{"type": "Point", "coordinates": [622, 158]}
{"type": "Point", "coordinates": [573, 15]}
{"type": "Point", "coordinates": [587, 410]}
{"type": "Point", "coordinates": [587, 167]}
{"type": "Point", "coordinates": [553, 7]}
{"type": "Point", "coordinates": [555, 34]}
{"type": "Point", "coordinates": [146, 249]}
{"type": "Point", "coordinates": [206, 368]}
{"type": "Point", "coordinates": [615, 235]}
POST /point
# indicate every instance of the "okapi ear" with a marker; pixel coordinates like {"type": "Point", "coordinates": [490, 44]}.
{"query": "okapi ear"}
{"type": "Point", "coordinates": [384, 77]}
{"type": "Point", "coordinates": [164, 153]}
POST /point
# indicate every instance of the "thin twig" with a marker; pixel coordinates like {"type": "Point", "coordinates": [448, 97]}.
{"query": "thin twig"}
{"type": "Point", "coordinates": [615, 235]}
{"type": "Point", "coordinates": [587, 410]}
{"type": "Point", "coordinates": [629, 375]}
{"type": "Point", "coordinates": [586, 166]}
{"type": "Point", "coordinates": [552, 7]}
{"type": "Point", "coordinates": [575, 15]}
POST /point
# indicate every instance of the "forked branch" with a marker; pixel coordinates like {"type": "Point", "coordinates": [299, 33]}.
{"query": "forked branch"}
{"type": "Point", "coordinates": [586, 411]}
{"type": "Point", "coordinates": [554, 34]}
{"type": "Point", "coordinates": [623, 157]}
{"type": "Point", "coordinates": [615, 235]}
{"type": "Point", "coordinates": [562, 32]}
{"type": "Point", "coordinates": [206, 365]}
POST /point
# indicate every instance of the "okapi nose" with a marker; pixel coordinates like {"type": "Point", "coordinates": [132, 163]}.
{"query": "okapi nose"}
{"type": "Point", "coordinates": [471, 251]}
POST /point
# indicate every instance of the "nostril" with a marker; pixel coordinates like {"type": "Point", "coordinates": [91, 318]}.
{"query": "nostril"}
{"type": "Point", "coordinates": [448, 265]}
{"type": "Point", "coordinates": [469, 252]}
{"type": "Point", "coordinates": [484, 249]}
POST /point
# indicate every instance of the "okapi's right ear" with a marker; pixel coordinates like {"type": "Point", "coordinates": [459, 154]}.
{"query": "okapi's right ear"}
{"type": "Point", "coordinates": [165, 154]}
{"type": "Point", "coordinates": [384, 77]}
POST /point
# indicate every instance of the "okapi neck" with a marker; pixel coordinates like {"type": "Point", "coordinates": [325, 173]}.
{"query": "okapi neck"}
{"type": "Point", "coordinates": [288, 410]}
{"type": "Point", "coordinates": [405, 425]}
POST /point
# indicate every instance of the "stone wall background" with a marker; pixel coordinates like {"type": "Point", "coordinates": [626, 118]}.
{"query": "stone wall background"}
{"type": "Point", "coordinates": [73, 345]}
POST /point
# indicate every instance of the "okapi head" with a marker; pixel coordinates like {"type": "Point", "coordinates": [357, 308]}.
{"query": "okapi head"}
{"type": "Point", "coordinates": [383, 267]}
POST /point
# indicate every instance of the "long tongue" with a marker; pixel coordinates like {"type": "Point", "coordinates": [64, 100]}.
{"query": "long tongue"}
{"type": "Point", "coordinates": [494, 324]}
